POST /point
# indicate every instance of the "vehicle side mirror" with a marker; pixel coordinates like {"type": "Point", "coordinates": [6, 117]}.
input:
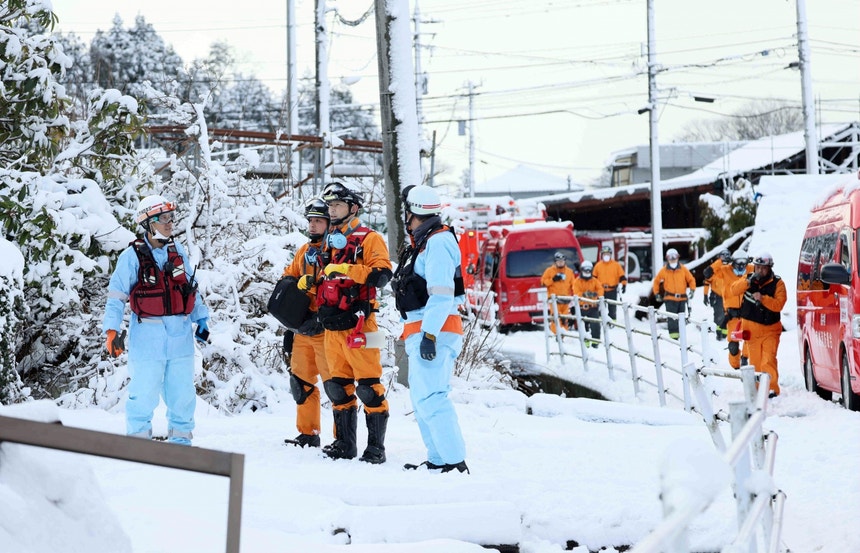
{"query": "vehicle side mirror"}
{"type": "Point", "coordinates": [835, 273]}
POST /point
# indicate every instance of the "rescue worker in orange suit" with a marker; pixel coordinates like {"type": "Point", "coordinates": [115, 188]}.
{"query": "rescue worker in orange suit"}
{"type": "Point", "coordinates": [714, 279]}
{"type": "Point", "coordinates": [611, 275]}
{"type": "Point", "coordinates": [589, 288]}
{"type": "Point", "coordinates": [558, 279]}
{"type": "Point", "coordinates": [674, 285]}
{"type": "Point", "coordinates": [305, 345]}
{"type": "Point", "coordinates": [153, 275]}
{"type": "Point", "coordinates": [359, 264]}
{"type": "Point", "coordinates": [428, 291]}
{"type": "Point", "coordinates": [764, 296]}
{"type": "Point", "coordinates": [740, 268]}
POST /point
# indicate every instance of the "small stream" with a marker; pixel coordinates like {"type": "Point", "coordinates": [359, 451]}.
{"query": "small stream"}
{"type": "Point", "coordinates": [531, 379]}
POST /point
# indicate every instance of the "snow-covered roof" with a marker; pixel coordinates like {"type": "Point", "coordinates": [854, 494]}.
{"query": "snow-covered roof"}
{"type": "Point", "coordinates": [525, 179]}
{"type": "Point", "coordinates": [754, 155]}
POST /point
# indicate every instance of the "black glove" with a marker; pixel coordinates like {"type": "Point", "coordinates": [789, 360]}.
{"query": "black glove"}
{"type": "Point", "coordinates": [378, 278]}
{"type": "Point", "coordinates": [310, 327]}
{"type": "Point", "coordinates": [705, 299]}
{"type": "Point", "coordinates": [658, 298]}
{"type": "Point", "coordinates": [623, 288]}
{"type": "Point", "coordinates": [288, 342]}
{"type": "Point", "coordinates": [428, 347]}
{"type": "Point", "coordinates": [558, 276]}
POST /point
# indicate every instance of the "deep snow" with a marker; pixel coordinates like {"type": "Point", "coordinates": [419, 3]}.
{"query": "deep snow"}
{"type": "Point", "coordinates": [573, 469]}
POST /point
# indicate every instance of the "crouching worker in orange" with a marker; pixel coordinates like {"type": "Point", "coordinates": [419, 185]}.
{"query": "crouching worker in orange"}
{"type": "Point", "coordinates": [307, 351]}
{"type": "Point", "coordinates": [359, 264]}
{"type": "Point", "coordinates": [764, 297]}
{"type": "Point", "coordinates": [558, 279]}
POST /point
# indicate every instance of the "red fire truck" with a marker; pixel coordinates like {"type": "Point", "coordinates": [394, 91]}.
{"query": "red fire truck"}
{"type": "Point", "coordinates": [509, 265]}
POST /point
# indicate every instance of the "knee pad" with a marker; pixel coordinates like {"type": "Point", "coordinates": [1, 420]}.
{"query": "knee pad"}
{"type": "Point", "coordinates": [734, 348]}
{"type": "Point", "coordinates": [367, 394]}
{"type": "Point", "coordinates": [300, 389]}
{"type": "Point", "coordinates": [335, 389]}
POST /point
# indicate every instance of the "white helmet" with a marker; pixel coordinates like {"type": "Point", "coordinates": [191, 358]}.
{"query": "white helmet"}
{"type": "Point", "coordinates": [423, 200]}
{"type": "Point", "coordinates": [587, 266]}
{"type": "Point", "coordinates": [672, 253]}
{"type": "Point", "coordinates": [764, 259]}
{"type": "Point", "coordinates": [151, 206]}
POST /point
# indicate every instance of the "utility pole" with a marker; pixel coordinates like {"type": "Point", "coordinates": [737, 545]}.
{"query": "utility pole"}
{"type": "Point", "coordinates": [656, 199]}
{"type": "Point", "coordinates": [400, 156]}
{"type": "Point", "coordinates": [809, 131]}
{"type": "Point", "coordinates": [323, 92]}
{"type": "Point", "coordinates": [471, 140]}
{"type": "Point", "coordinates": [292, 86]}
{"type": "Point", "coordinates": [420, 78]}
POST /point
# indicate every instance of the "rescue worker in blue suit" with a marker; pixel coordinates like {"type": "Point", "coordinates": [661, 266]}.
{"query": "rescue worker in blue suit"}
{"type": "Point", "coordinates": [428, 287]}
{"type": "Point", "coordinates": [153, 275]}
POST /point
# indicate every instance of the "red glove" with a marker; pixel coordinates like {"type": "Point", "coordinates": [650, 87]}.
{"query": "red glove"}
{"type": "Point", "coordinates": [115, 346]}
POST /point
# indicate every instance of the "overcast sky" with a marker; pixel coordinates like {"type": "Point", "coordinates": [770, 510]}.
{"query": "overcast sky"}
{"type": "Point", "coordinates": [557, 83]}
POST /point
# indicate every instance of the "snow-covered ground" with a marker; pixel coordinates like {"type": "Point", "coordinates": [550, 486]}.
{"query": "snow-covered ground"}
{"type": "Point", "coordinates": [573, 470]}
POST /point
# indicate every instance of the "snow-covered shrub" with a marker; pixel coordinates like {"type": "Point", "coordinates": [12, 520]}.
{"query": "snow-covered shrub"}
{"type": "Point", "coordinates": [12, 310]}
{"type": "Point", "coordinates": [725, 217]}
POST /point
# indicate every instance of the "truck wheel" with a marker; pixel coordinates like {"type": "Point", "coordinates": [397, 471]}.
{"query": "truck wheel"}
{"type": "Point", "coordinates": [850, 400]}
{"type": "Point", "coordinates": [809, 377]}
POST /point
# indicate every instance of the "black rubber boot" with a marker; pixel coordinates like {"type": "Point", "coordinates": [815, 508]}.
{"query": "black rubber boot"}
{"type": "Point", "coordinates": [377, 423]}
{"type": "Point", "coordinates": [459, 467]}
{"type": "Point", "coordinates": [344, 446]}
{"type": "Point", "coordinates": [304, 440]}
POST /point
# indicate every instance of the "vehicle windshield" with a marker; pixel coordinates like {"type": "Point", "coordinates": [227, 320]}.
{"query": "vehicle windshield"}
{"type": "Point", "coordinates": [532, 263]}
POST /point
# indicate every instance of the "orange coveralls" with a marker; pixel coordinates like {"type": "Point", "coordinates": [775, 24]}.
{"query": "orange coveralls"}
{"type": "Point", "coordinates": [732, 305]}
{"type": "Point", "coordinates": [353, 364]}
{"type": "Point", "coordinates": [563, 287]}
{"type": "Point", "coordinates": [764, 339]}
{"type": "Point", "coordinates": [610, 274]}
{"type": "Point", "coordinates": [307, 360]}
{"type": "Point", "coordinates": [592, 289]}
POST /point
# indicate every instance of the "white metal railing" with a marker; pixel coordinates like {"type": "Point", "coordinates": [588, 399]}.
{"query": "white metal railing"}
{"type": "Point", "coordinates": [632, 345]}
{"type": "Point", "coordinates": [750, 453]}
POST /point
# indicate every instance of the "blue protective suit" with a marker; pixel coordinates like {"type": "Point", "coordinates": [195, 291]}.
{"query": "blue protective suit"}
{"type": "Point", "coordinates": [160, 353]}
{"type": "Point", "coordinates": [429, 381]}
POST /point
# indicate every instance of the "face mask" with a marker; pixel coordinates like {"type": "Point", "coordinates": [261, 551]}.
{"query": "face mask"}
{"type": "Point", "coordinates": [738, 272]}
{"type": "Point", "coordinates": [607, 257]}
{"type": "Point", "coordinates": [673, 264]}
{"type": "Point", "coordinates": [336, 241]}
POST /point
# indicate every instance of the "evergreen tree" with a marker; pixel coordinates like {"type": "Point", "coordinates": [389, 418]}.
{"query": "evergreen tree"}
{"type": "Point", "coordinates": [44, 208]}
{"type": "Point", "coordinates": [127, 58]}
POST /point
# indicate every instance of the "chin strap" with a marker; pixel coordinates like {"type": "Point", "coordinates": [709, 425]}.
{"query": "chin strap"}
{"type": "Point", "coordinates": [158, 236]}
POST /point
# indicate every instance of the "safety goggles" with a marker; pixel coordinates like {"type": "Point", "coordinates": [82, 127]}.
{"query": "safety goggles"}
{"type": "Point", "coordinates": [164, 218]}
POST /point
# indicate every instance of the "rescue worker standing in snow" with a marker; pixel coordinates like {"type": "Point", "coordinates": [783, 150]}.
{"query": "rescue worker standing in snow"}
{"type": "Point", "coordinates": [359, 264]}
{"type": "Point", "coordinates": [589, 288]}
{"type": "Point", "coordinates": [307, 347]}
{"type": "Point", "coordinates": [611, 275]}
{"type": "Point", "coordinates": [428, 290]}
{"type": "Point", "coordinates": [714, 275]}
{"type": "Point", "coordinates": [764, 296]}
{"type": "Point", "coordinates": [732, 302]}
{"type": "Point", "coordinates": [558, 279]}
{"type": "Point", "coordinates": [674, 285]}
{"type": "Point", "coordinates": [153, 274]}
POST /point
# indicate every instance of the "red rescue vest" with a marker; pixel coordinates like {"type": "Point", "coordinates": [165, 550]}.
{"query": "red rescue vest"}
{"type": "Point", "coordinates": [160, 292]}
{"type": "Point", "coordinates": [344, 292]}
